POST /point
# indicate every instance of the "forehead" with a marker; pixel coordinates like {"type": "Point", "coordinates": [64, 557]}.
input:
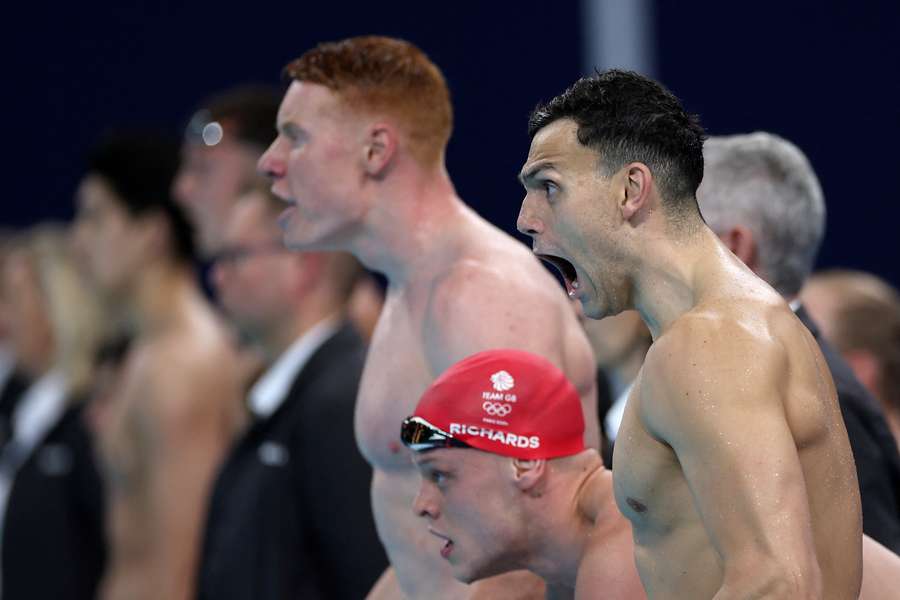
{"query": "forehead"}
{"type": "Point", "coordinates": [226, 148]}
{"type": "Point", "coordinates": [305, 100]}
{"type": "Point", "coordinates": [558, 144]}
{"type": "Point", "coordinates": [458, 459]}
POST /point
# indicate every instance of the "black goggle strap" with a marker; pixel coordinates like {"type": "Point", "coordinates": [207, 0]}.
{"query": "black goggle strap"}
{"type": "Point", "coordinates": [419, 435]}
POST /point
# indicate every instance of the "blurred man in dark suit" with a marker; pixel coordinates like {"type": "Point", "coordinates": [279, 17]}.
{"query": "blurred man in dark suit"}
{"type": "Point", "coordinates": [290, 515]}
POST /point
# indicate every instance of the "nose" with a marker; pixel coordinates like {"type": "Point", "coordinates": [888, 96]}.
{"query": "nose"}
{"type": "Point", "coordinates": [424, 504]}
{"type": "Point", "coordinates": [183, 186]}
{"type": "Point", "coordinates": [270, 163]}
{"type": "Point", "coordinates": [218, 276]}
{"type": "Point", "coordinates": [78, 240]}
{"type": "Point", "coordinates": [528, 222]}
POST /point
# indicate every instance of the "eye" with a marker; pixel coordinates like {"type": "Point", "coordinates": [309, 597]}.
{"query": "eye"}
{"type": "Point", "coordinates": [549, 187]}
{"type": "Point", "coordinates": [439, 478]}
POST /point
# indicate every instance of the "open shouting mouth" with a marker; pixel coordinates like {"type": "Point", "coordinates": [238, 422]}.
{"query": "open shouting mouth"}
{"type": "Point", "coordinates": [566, 269]}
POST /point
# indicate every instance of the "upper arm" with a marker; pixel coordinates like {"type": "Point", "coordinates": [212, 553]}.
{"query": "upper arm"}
{"type": "Point", "coordinates": [188, 441]}
{"type": "Point", "coordinates": [718, 401]}
{"type": "Point", "coordinates": [474, 308]}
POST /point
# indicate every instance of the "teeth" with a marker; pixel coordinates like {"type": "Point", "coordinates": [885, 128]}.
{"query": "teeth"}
{"type": "Point", "coordinates": [575, 284]}
{"type": "Point", "coordinates": [571, 293]}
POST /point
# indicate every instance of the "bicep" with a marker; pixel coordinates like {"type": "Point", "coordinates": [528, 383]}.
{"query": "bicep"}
{"type": "Point", "coordinates": [189, 446]}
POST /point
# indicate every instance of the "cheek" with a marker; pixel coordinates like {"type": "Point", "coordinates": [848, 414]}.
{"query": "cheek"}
{"type": "Point", "coordinates": [28, 322]}
{"type": "Point", "coordinates": [224, 184]}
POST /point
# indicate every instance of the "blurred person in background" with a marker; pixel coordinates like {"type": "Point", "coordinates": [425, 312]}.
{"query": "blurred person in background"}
{"type": "Point", "coordinates": [51, 497]}
{"type": "Point", "coordinates": [365, 303]}
{"type": "Point", "coordinates": [762, 198]}
{"type": "Point", "coordinates": [12, 380]}
{"type": "Point", "coordinates": [290, 514]}
{"type": "Point", "coordinates": [859, 314]}
{"type": "Point", "coordinates": [222, 143]}
{"type": "Point", "coordinates": [178, 406]}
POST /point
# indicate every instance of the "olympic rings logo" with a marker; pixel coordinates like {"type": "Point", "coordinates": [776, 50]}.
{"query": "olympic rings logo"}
{"type": "Point", "coordinates": [496, 409]}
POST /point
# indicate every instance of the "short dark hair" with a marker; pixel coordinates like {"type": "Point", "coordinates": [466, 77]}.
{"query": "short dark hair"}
{"type": "Point", "coordinates": [247, 112]}
{"type": "Point", "coordinates": [140, 167]}
{"type": "Point", "coordinates": [626, 117]}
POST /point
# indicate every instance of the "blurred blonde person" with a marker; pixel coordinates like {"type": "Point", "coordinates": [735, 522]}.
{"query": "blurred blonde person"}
{"type": "Point", "coordinates": [50, 491]}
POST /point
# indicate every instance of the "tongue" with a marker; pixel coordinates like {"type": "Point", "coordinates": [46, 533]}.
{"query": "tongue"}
{"type": "Point", "coordinates": [447, 549]}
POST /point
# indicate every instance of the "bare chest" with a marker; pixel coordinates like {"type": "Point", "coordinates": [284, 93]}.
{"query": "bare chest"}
{"type": "Point", "coordinates": [650, 489]}
{"type": "Point", "coordinates": [395, 375]}
{"type": "Point", "coordinates": [124, 438]}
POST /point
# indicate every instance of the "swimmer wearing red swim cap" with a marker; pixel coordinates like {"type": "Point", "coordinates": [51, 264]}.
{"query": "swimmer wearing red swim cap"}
{"type": "Point", "coordinates": [507, 482]}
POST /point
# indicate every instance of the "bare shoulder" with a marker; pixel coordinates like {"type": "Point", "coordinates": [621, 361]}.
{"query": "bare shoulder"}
{"type": "Point", "coordinates": [189, 369]}
{"type": "Point", "coordinates": [507, 300]}
{"type": "Point", "coordinates": [716, 354]}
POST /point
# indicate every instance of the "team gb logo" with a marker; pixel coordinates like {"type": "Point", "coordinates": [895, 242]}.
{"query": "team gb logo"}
{"type": "Point", "coordinates": [502, 381]}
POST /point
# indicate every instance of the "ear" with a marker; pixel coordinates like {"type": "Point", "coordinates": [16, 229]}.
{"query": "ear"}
{"type": "Point", "coordinates": [527, 474]}
{"type": "Point", "coordinates": [865, 367]}
{"type": "Point", "coordinates": [638, 181]}
{"type": "Point", "coordinates": [379, 149]}
{"type": "Point", "coordinates": [152, 231]}
{"type": "Point", "coordinates": [742, 243]}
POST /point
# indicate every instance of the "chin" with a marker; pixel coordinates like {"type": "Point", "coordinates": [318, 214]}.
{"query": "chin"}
{"type": "Point", "coordinates": [592, 310]}
{"type": "Point", "coordinates": [298, 241]}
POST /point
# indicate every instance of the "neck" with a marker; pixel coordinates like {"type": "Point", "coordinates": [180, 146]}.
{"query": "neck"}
{"type": "Point", "coordinates": [673, 275]}
{"type": "Point", "coordinates": [562, 526]}
{"type": "Point", "coordinates": [410, 218]}
{"type": "Point", "coordinates": [155, 300]}
{"type": "Point", "coordinates": [284, 332]}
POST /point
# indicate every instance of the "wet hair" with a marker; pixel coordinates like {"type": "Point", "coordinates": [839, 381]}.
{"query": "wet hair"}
{"type": "Point", "coordinates": [247, 112]}
{"type": "Point", "coordinates": [140, 166]}
{"type": "Point", "coordinates": [766, 184]}
{"type": "Point", "coordinates": [626, 117]}
{"type": "Point", "coordinates": [388, 76]}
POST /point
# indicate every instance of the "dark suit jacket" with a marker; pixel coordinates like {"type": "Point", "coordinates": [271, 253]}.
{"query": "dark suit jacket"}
{"type": "Point", "coordinates": [290, 515]}
{"type": "Point", "coordinates": [53, 542]}
{"type": "Point", "coordinates": [9, 398]}
{"type": "Point", "coordinates": [874, 448]}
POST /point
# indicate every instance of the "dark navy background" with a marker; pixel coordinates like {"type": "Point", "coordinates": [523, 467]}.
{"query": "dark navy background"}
{"type": "Point", "coordinates": [824, 75]}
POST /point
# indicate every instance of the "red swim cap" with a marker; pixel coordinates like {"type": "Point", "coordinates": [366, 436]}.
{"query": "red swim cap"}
{"type": "Point", "coordinates": [508, 402]}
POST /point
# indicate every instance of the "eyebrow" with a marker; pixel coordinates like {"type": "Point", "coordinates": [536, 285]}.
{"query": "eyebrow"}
{"type": "Point", "coordinates": [423, 459]}
{"type": "Point", "coordinates": [290, 128]}
{"type": "Point", "coordinates": [526, 177]}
